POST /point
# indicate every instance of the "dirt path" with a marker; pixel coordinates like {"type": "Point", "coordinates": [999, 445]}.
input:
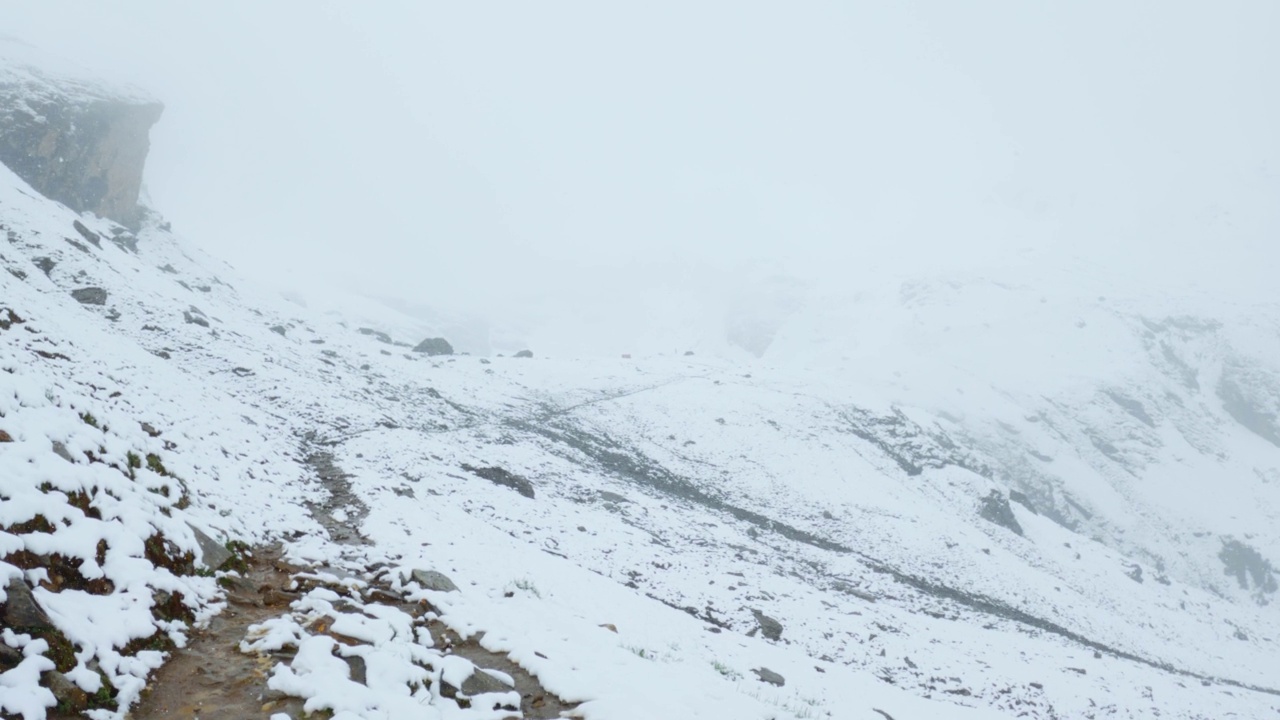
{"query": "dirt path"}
{"type": "Point", "coordinates": [211, 679]}
{"type": "Point", "coordinates": [342, 512]}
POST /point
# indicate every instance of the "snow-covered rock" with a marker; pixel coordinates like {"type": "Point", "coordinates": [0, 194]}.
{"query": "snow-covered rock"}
{"type": "Point", "coordinates": [80, 142]}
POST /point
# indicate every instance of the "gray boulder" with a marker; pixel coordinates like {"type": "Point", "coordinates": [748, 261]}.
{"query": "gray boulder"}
{"type": "Point", "coordinates": [995, 508]}
{"type": "Point", "coordinates": [10, 658]}
{"type": "Point", "coordinates": [769, 627]}
{"type": "Point", "coordinates": [768, 676]}
{"type": "Point", "coordinates": [434, 346]}
{"type": "Point", "coordinates": [94, 238]}
{"type": "Point", "coordinates": [90, 296]}
{"type": "Point", "coordinates": [358, 669]}
{"type": "Point", "coordinates": [21, 609]}
{"type": "Point", "coordinates": [432, 580]}
{"type": "Point", "coordinates": [213, 554]}
{"type": "Point", "coordinates": [61, 451]}
{"type": "Point", "coordinates": [481, 682]}
{"type": "Point", "coordinates": [69, 695]}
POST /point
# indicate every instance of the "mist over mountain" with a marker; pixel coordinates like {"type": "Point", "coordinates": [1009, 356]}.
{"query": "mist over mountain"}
{"type": "Point", "coordinates": [662, 162]}
{"type": "Point", "coordinates": [715, 361]}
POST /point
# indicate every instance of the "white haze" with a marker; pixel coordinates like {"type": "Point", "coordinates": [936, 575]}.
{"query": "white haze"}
{"type": "Point", "coordinates": [613, 173]}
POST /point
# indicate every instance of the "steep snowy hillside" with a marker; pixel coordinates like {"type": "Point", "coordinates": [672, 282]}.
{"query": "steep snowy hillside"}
{"type": "Point", "coordinates": [1068, 511]}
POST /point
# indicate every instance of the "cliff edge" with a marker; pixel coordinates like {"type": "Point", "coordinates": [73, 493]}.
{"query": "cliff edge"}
{"type": "Point", "coordinates": [75, 140]}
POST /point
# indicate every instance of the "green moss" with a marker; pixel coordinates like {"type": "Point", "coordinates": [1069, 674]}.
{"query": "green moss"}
{"type": "Point", "coordinates": [82, 501]}
{"type": "Point", "coordinates": [133, 462]}
{"type": "Point", "coordinates": [155, 466]}
{"type": "Point", "coordinates": [89, 419]}
{"type": "Point", "coordinates": [158, 641]}
{"type": "Point", "coordinates": [240, 555]}
{"type": "Point", "coordinates": [105, 698]}
{"type": "Point", "coordinates": [61, 652]}
{"type": "Point", "coordinates": [170, 606]}
{"type": "Point", "coordinates": [161, 553]}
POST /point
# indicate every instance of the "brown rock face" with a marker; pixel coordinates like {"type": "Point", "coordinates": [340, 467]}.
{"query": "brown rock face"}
{"type": "Point", "coordinates": [76, 143]}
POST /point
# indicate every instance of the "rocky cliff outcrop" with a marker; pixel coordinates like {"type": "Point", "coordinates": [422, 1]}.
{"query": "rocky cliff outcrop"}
{"type": "Point", "coordinates": [75, 141]}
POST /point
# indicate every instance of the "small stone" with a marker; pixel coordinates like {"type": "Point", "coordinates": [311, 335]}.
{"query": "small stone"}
{"type": "Point", "coordinates": [524, 354]}
{"type": "Point", "coordinates": [500, 476]}
{"type": "Point", "coordinates": [150, 430]}
{"type": "Point", "coordinates": [61, 451]}
{"type": "Point", "coordinates": [610, 627]}
{"type": "Point", "coordinates": [193, 319]}
{"type": "Point", "coordinates": [432, 580]}
{"type": "Point", "coordinates": [278, 329]}
{"type": "Point", "coordinates": [378, 595]}
{"type": "Point", "coordinates": [127, 242]}
{"type": "Point", "coordinates": [769, 676]}
{"type": "Point", "coordinates": [9, 657]}
{"type": "Point", "coordinates": [376, 335]}
{"type": "Point", "coordinates": [769, 627]}
{"type": "Point", "coordinates": [90, 296]}
{"type": "Point", "coordinates": [359, 671]}
{"type": "Point", "coordinates": [88, 234]}
{"type": "Point", "coordinates": [213, 555]}
{"type": "Point", "coordinates": [275, 597]}
{"type": "Point", "coordinates": [21, 609]}
{"type": "Point", "coordinates": [481, 682]}
{"type": "Point", "coordinates": [848, 589]}
{"type": "Point", "coordinates": [71, 699]}
{"type": "Point", "coordinates": [9, 318]}
{"type": "Point", "coordinates": [5, 437]}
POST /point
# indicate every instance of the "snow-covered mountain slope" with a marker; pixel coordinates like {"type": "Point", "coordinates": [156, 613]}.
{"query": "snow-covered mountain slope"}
{"type": "Point", "coordinates": [1069, 511]}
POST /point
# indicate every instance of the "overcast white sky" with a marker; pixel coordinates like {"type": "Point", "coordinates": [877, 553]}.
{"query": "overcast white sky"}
{"type": "Point", "coordinates": [492, 152]}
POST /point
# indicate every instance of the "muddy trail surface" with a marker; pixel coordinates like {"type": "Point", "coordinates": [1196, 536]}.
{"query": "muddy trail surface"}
{"type": "Point", "coordinates": [342, 512]}
{"type": "Point", "coordinates": [212, 679]}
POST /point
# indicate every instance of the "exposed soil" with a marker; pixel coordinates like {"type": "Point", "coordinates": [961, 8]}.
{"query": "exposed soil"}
{"type": "Point", "coordinates": [341, 499]}
{"type": "Point", "coordinates": [211, 679]}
